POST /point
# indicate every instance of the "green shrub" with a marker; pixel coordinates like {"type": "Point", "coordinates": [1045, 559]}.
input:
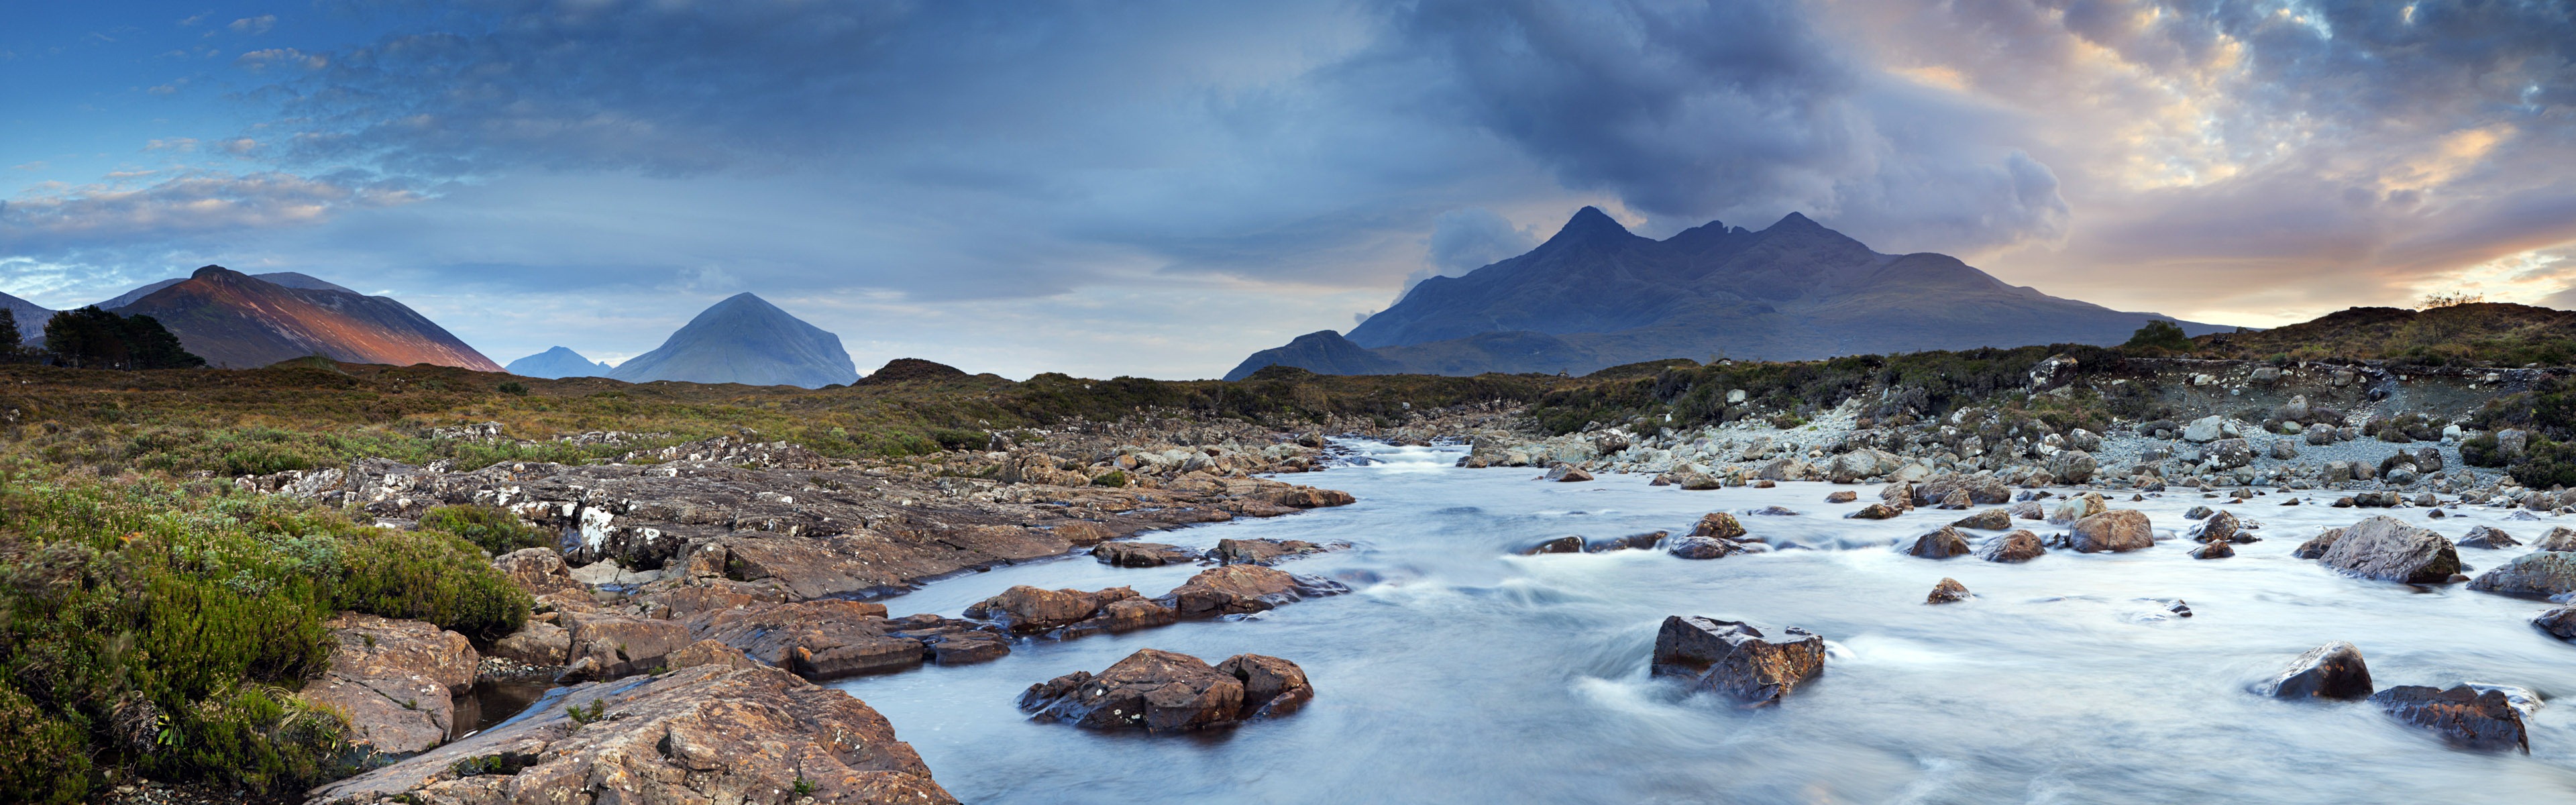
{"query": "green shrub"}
{"type": "Point", "coordinates": [491, 528]}
{"type": "Point", "coordinates": [2547, 464]}
{"type": "Point", "coordinates": [953, 439]}
{"type": "Point", "coordinates": [430, 576]}
{"type": "Point", "coordinates": [43, 760]}
{"type": "Point", "coordinates": [2482, 450]}
{"type": "Point", "coordinates": [513, 388]}
{"type": "Point", "coordinates": [2159, 334]}
{"type": "Point", "coordinates": [1111, 478]}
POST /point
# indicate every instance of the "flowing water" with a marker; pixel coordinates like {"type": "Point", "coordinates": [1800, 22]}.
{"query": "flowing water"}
{"type": "Point", "coordinates": [1456, 672]}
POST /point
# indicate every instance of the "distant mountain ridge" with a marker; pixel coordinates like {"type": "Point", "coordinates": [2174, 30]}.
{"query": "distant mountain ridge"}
{"type": "Point", "coordinates": [745, 339]}
{"type": "Point", "coordinates": [239, 321]}
{"type": "Point", "coordinates": [559, 362]}
{"type": "Point", "coordinates": [1596, 295]}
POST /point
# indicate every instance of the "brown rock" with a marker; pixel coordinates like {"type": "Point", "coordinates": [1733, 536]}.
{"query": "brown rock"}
{"type": "Point", "coordinates": [2464, 716]}
{"type": "Point", "coordinates": [1241, 589]}
{"type": "Point", "coordinates": [1142, 554]}
{"type": "Point", "coordinates": [396, 680]}
{"type": "Point", "coordinates": [1842, 496]}
{"type": "Point", "coordinates": [2388, 549]}
{"type": "Point", "coordinates": [1736, 660]}
{"type": "Point", "coordinates": [608, 645]}
{"type": "Point", "coordinates": [1988, 520]}
{"type": "Point", "coordinates": [817, 640]}
{"type": "Point", "coordinates": [2330, 671]}
{"type": "Point", "coordinates": [1271, 686]}
{"type": "Point", "coordinates": [2559, 623]}
{"type": "Point", "coordinates": [1941, 544]}
{"type": "Point", "coordinates": [537, 570]}
{"type": "Point", "coordinates": [1718, 524]}
{"type": "Point", "coordinates": [1948, 591]}
{"type": "Point", "coordinates": [1874, 511]}
{"type": "Point", "coordinates": [1703, 547]}
{"type": "Point", "coordinates": [1267, 551]}
{"type": "Point", "coordinates": [2117, 530]}
{"type": "Point", "coordinates": [538, 643]}
{"type": "Point", "coordinates": [2018, 546]}
{"type": "Point", "coordinates": [2316, 546]}
{"type": "Point", "coordinates": [709, 652]}
{"type": "Point", "coordinates": [1153, 690]}
{"type": "Point", "coordinates": [2213, 550]}
{"type": "Point", "coordinates": [1028, 610]}
{"type": "Point", "coordinates": [704, 734]}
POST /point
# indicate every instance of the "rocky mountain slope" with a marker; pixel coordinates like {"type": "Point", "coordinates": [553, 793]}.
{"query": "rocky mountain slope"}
{"type": "Point", "coordinates": [31, 317]}
{"type": "Point", "coordinates": [557, 362]}
{"type": "Point", "coordinates": [1596, 295]}
{"type": "Point", "coordinates": [237, 320]}
{"type": "Point", "coordinates": [745, 339]}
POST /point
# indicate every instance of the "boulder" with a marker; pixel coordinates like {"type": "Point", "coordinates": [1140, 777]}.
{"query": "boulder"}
{"type": "Point", "coordinates": [2204, 430]}
{"type": "Point", "coordinates": [1163, 691]}
{"type": "Point", "coordinates": [1988, 520]}
{"type": "Point", "coordinates": [2029, 510]}
{"type": "Point", "coordinates": [537, 570]}
{"type": "Point", "coordinates": [2464, 716]}
{"type": "Point", "coordinates": [1566, 544]}
{"type": "Point", "coordinates": [2320, 434]}
{"type": "Point", "coordinates": [1737, 660]}
{"type": "Point", "coordinates": [2388, 549]}
{"type": "Point", "coordinates": [2227, 454]}
{"type": "Point", "coordinates": [2199, 513]}
{"type": "Point", "coordinates": [2018, 546]}
{"type": "Point", "coordinates": [1718, 524]}
{"type": "Point", "coordinates": [2330, 671]}
{"type": "Point", "coordinates": [1272, 686]}
{"type": "Point", "coordinates": [1023, 609]}
{"type": "Point", "coordinates": [1941, 544]}
{"type": "Point", "coordinates": [1874, 511]}
{"type": "Point", "coordinates": [1699, 482]}
{"type": "Point", "coordinates": [2557, 538]}
{"type": "Point", "coordinates": [608, 645]}
{"type": "Point", "coordinates": [2489, 537]}
{"type": "Point", "coordinates": [2559, 623]}
{"type": "Point", "coordinates": [1142, 554]}
{"type": "Point", "coordinates": [2078, 508]}
{"type": "Point", "coordinates": [1703, 547]}
{"type": "Point", "coordinates": [2213, 550]}
{"type": "Point", "coordinates": [1242, 589]}
{"type": "Point", "coordinates": [539, 643]}
{"type": "Point", "coordinates": [2074, 466]}
{"type": "Point", "coordinates": [1898, 496]}
{"type": "Point", "coordinates": [709, 652]}
{"type": "Point", "coordinates": [709, 733]}
{"type": "Point", "coordinates": [1267, 551]}
{"type": "Point", "coordinates": [1946, 592]}
{"type": "Point", "coordinates": [2117, 530]}
{"type": "Point", "coordinates": [2536, 574]}
{"type": "Point", "coordinates": [2316, 546]}
{"type": "Point", "coordinates": [817, 640]}
{"type": "Point", "coordinates": [1641, 542]}
{"type": "Point", "coordinates": [396, 680]}
{"type": "Point", "coordinates": [2221, 527]}
{"type": "Point", "coordinates": [1567, 473]}
{"type": "Point", "coordinates": [1842, 496]}
{"type": "Point", "coordinates": [1981, 489]}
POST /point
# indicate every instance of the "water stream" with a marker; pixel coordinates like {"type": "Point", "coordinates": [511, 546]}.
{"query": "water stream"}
{"type": "Point", "coordinates": [1456, 672]}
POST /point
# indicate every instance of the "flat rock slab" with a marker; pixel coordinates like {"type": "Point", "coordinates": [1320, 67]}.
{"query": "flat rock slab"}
{"type": "Point", "coordinates": [709, 733]}
{"type": "Point", "coordinates": [396, 679]}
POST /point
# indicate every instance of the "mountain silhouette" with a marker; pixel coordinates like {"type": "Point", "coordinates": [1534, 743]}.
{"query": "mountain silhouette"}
{"type": "Point", "coordinates": [745, 339]}
{"type": "Point", "coordinates": [239, 321]}
{"type": "Point", "coordinates": [557, 362]}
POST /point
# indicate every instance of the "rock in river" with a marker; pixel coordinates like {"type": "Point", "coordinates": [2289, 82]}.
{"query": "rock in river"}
{"type": "Point", "coordinates": [1142, 554]}
{"type": "Point", "coordinates": [2213, 550]}
{"type": "Point", "coordinates": [1718, 524]}
{"type": "Point", "coordinates": [2559, 623]}
{"type": "Point", "coordinates": [1988, 520]}
{"type": "Point", "coordinates": [2464, 716]}
{"type": "Point", "coordinates": [1164, 691]}
{"type": "Point", "coordinates": [2539, 573]}
{"type": "Point", "coordinates": [2018, 546]}
{"type": "Point", "coordinates": [1267, 551]}
{"type": "Point", "coordinates": [1736, 659]}
{"type": "Point", "coordinates": [1874, 511]}
{"type": "Point", "coordinates": [2489, 537]}
{"type": "Point", "coordinates": [710, 733]}
{"type": "Point", "coordinates": [2116, 530]}
{"type": "Point", "coordinates": [2387, 549]}
{"type": "Point", "coordinates": [1941, 544]}
{"type": "Point", "coordinates": [1948, 591]}
{"type": "Point", "coordinates": [1242, 589]}
{"type": "Point", "coordinates": [2221, 527]}
{"type": "Point", "coordinates": [1703, 547]}
{"type": "Point", "coordinates": [2330, 671]}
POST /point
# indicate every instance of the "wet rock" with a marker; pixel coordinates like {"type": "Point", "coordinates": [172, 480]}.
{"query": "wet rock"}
{"type": "Point", "coordinates": [1718, 524]}
{"type": "Point", "coordinates": [1272, 687]}
{"type": "Point", "coordinates": [1699, 482]}
{"type": "Point", "coordinates": [1242, 589]}
{"type": "Point", "coordinates": [2464, 716]}
{"type": "Point", "coordinates": [2018, 546]}
{"type": "Point", "coordinates": [2078, 508]}
{"type": "Point", "coordinates": [2559, 623]}
{"type": "Point", "coordinates": [1023, 609]}
{"type": "Point", "coordinates": [1988, 520]}
{"type": "Point", "coordinates": [2213, 550]}
{"type": "Point", "coordinates": [1122, 615]}
{"type": "Point", "coordinates": [2029, 510]}
{"type": "Point", "coordinates": [1948, 591]}
{"type": "Point", "coordinates": [2117, 530]}
{"type": "Point", "coordinates": [1980, 489]}
{"type": "Point", "coordinates": [2557, 538]}
{"type": "Point", "coordinates": [1267, 551]}
{"type": "Point", "coordinates": [1569, 544]}
{"type": "Point", "coordinates": [1567, 473]}
{"type": "Point", "coordinates": [1843, 496]}
{"type": "Point", "coordinates": [2388, 549]}
{"type": "Point", "coordinates": [2198, 512]}
{"type": "Point", "coordinates": [1874, 511]}
{"type": "Point", "coordinates": [2538, 574]}
{"type": "Point", "coordinates": [2221, 527]}
{"type": "Point", "coordinates": [1142, 554]}
{"type": "Point", "coordinates": [1941, 544]}
{"type": "Point", "coordinates": [1774, 511]}
{"type": "Point", "coordinates": [1163, 691]}
{"type": "Point", "coordinates": [396, 680]}
{"type": "Point", "coordinates": [1703, 547]}
{"type": "Point", "coordinates": [710, 733]}
{"type": "Point", "coordinates": [539, 643]}
{"type": "Point", "coordinates": [1898, 496]}
{"type": "Point", "coordinates": [1640, 542]}
{"type": "Point", "coordinates": [2377, 500]}
{"type": "Point", "coordinates": [2316, 546]}
{"type": "Point", "coordinates": [1736, 659]}
{"type": "Point", "coordinates": [817, 640]}
{"type": "Point", "coordinates": [2330, 671]}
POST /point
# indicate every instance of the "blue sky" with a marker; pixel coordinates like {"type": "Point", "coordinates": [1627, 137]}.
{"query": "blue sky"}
{"type": "Point", "coordinates": [1161, 188]}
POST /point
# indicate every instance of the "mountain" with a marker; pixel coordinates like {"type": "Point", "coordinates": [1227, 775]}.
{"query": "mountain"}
{"type": "Point", "coordinates": [1596, 295]}
{"type": "Point", "coordinates": [557, 362]}
{"type": "Point", "coordinates": [286, 278]}
{"type": "Point", "coordinates": [240, 321]}
{"type": "Point", "coordinates": [31, 318]}
{"type": "Point", "coordinates": [747, 340]}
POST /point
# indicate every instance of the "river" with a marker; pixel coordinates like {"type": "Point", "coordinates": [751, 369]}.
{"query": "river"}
{"type": "Point", "coordinates": [1457, 672]}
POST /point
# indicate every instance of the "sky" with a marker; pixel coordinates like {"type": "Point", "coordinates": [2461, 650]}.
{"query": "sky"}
{"type": "Point", "coordinates": [1159, 189]}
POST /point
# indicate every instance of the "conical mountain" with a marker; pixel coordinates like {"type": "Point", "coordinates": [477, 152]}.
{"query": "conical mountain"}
{"type": "Point", "coordinates": [745, 339]}
{"type": "Point", "coordinates": [1596, 295]}
{"type": "Point", "coordinates": [239, 321]}
{"type": "Point", "coordinates": [557, 362]}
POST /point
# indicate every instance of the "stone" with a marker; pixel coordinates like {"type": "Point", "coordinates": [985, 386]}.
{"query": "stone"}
{"type": "Point", "coordinates": [2512, 442]}
{"type": "Point", "coordinates": [2536, 574]}
{"type": "Point", "coordinates": [2117, 530]}
{"type": "Point", "coordinates": [1842, 496]}
{"type": "Point", "coordinates": [2388, 549]}
{"type": "Point", "coordinates": [2227, 454]}
{"type": "Point", "coordinates": [2029, 510]}
{"type": "Point", "coordinates": [1242, 589]}
{"type": "Point", "coordinates": [710, 652]}
{"type": "Point", "coordinates": [2330, 671]}
{"type": "Point", "coordinates": [1641, 542]}
{"type": "Point", "coordinates": [1704, 547]}
{"type": "Point", "coordinates": [1267, 551]}
{"type": "Point", "coordinates": [2557, 538]}
{"type": "Point", "coordinates": [817, 640]}
{"type": "Point", "coordinates": [2283, 450]}
{"type": "Point", "coordinates": [710, 733]}
{"type": "Point", "coordinates": [1272, 687]}
{"type": "Point", "coordinates": [1736, 659]}
{"type": "Point", "coordinates": [2316, 546]}
{"type": "Point", "coordinates": [1898, 496]}
{"type": "Point", "coordinates": [1718, 524]}
{"type": "Point", "coordinates": [2204, 430]}
{"type": "Point", "coordinates": [1024, 609]}
{"type": "Point", "coordinates": [2489, 537]}
{"type": "Point", "coordinates": [2198, 513]}
{"type": "Point", "coordinates": [2078, 508]}
{"type": "Point", "coordinates": [2072, 466]}
{"type": "Point", "coordinates": [2559, 623]}
{"type": "Point", "coordinates": [1941, 544]}
{"type": "Point", "coordinates": [1153, 690]}
{"type": "Point", "coordinates": [539, 643]}
{"type": "Point", "coordinates": [2464, 716]}
{"type": "Point", "coordinates": [396, 680]}
{"type": "Point", "coordinates": [1988, 520]}
{"type": "Point", "coordinates": [2221, 527]}
{"type": "Point", "coordinates": [1567, 544]}
{"type": "Point", "coordinates": [1567, 473]}
{"type": "Point", "coordinates": [2320, 434]}
{"type": "Point", "coordinates": [1874, 511]}
{"type": "Point", "coordinates": [1141, 554]}
{"type": "Point", "coordinates": [1981, 489]}
{"type": "Point", "coordinates": [2213, 550]}
{"type": "Point", "coordinates": [608, 645]}
{"type": "Point", "coordinates": [2018, 546]}
{"type": "Point", "coordinates": [537, 570]}
{"type": "Point", "coordinates": [1774, 511]}
{"type": "Point", "coordinates": [1699, 482]}
{"type": "Point", "coordinates": [1947, 592]}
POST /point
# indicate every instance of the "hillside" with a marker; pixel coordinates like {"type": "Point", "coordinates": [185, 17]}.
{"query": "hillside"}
{"type": "Point", "coordinates": [237, 320]}
{"type": "Point", "coordinates": [2480, 333]}
{"type": "Point", "coordinates": [745, 339]}
{"type": "Point", "coordinates": [31, 317]}
{"type": "Point", "coordinates": [1597, 295]}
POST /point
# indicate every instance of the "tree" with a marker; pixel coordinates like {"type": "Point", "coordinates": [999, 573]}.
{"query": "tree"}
{"type": "Point", "coordinates": [2160, 334]}
{"type": "Point", "coordinates": [90, 338]}
{"type": "Point", "coordinates": [11, 342]}
{"type": "Point", "coordinates": [2442, 300]}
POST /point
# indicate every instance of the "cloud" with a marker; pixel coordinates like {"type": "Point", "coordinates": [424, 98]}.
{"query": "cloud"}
{"type": "Point", "coordinates": [53, 218]}
{"type": "Point", "coordinates": [251, 26]}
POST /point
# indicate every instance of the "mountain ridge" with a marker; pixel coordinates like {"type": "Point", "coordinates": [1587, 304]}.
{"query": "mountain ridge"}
{"type": "Point", "coordinates": [236, 320]}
